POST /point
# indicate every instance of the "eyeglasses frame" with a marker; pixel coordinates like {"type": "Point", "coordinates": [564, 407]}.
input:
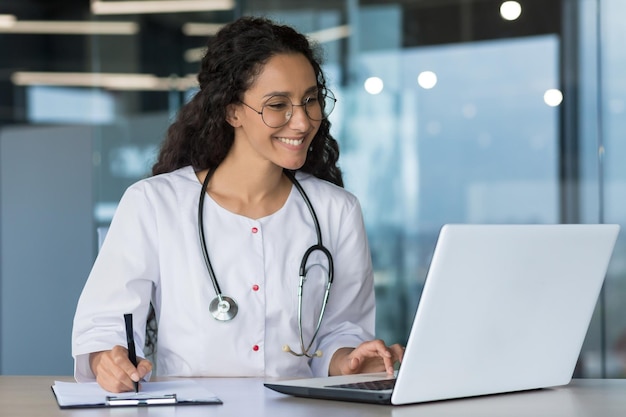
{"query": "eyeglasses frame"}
{"type": "Point", "coordinates": [324, 116]}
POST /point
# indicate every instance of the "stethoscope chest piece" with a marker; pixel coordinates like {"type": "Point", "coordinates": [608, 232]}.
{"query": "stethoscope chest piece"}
{"type": "Point", "coordinates": [223, 308]}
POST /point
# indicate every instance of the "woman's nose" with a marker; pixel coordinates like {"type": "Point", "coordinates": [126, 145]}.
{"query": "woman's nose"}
{"type": "Point", "coordinates": [299, 119]}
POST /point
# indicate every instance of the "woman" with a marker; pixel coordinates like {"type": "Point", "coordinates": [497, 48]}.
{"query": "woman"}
{"type": "Point", "coordinates": [254, 133]}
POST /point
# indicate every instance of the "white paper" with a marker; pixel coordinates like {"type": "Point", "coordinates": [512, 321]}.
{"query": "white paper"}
{"type": "Point", "coordinates": [70, 394]}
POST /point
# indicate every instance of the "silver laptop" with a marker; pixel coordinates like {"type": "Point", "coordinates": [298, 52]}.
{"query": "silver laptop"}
{"type": "Point", "coordinates": [504, 308]}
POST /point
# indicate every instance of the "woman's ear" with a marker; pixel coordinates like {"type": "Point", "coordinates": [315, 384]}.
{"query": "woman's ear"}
{"type": "Point", "coordinates": [232, 115]}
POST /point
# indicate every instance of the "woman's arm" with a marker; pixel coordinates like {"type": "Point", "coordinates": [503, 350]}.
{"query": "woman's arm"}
{"type": "Point", "coordinates": [121, 281]}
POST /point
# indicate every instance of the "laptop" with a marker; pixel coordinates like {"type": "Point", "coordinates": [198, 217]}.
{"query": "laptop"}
{"type": "Point", "coordinates": [504, 308]}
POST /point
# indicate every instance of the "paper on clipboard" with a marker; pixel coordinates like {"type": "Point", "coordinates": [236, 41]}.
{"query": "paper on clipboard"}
{"type": "Point", "coordinates": [91, 395]}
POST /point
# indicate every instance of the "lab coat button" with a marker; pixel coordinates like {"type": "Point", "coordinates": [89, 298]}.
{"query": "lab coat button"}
{"type": "Point", "coordinates": [254, 230]}
{"type": "Point", "coordinates": [255, 348]}
{"type": "Point", "coordinates": [255, 287]}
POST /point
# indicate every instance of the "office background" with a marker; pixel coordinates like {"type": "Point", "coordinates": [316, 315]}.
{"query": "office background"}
{"type": "Point", "coordinates": [449, 111]}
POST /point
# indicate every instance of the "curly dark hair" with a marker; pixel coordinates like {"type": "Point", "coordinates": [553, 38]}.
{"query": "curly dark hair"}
{"type": "Point", "coordinates": [201, 137]}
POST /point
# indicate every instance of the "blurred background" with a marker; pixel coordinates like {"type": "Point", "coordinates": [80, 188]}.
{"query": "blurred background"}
{"type": "Point", "coordinates": [449, 111]}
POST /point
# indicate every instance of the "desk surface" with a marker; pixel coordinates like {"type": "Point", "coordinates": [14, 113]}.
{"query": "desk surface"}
{"type": "Point", "coordinates": [31, 396]}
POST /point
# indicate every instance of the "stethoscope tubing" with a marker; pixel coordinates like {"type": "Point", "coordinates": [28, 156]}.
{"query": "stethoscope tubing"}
{"type": "Point", "coordinates": [205, 252]}
{"type": "Point", "coordinates": [307, 201]}
{"type": "Point", "coordinates": [329, 283]}
{"type": "Point", "coordinates": [230, 303]}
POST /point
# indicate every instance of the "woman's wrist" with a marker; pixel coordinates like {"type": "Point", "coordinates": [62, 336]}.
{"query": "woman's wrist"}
{"type": "Point", "coordinates": [338, 358]}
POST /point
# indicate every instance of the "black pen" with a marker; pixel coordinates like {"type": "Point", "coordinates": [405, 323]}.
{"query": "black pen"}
{"type": "Point", "coordinates": [130, 341]}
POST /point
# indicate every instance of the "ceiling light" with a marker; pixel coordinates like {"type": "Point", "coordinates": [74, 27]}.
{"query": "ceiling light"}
{"type": "Point", "coordinates": [374, 85]}
{"type": "Point", "coordinates": [510, 10]}
{"type": "Point", "coordinates": [194, 54]}
{"type": "Point", "coordinates": [6, 20]}
{"type": "Point", "coordinates": [159, 6]}
{"type": "Point", "coordinates": [427, 79]}
{"type": "Point", "coordinates": [69, 27]}
{"type": "Point", "coordinates": [202, 29]}
{"type": "Point", "coordinates": [109, 81]}
{"type": "Point", "coordinates": [553, 97]}
{"type": "Point", "coordinates": [330, 34]}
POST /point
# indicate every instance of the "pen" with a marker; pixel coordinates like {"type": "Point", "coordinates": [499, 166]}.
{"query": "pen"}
{"type": "Point", "coordinates": [130, 341]}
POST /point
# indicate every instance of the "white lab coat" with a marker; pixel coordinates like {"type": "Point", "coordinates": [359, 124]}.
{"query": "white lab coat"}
{"type": "Point", "coordinates": [152, 252]}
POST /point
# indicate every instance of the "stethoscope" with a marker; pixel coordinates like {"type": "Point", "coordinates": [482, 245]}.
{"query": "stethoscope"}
{"type": "Point", "coordinates": [224, 308]}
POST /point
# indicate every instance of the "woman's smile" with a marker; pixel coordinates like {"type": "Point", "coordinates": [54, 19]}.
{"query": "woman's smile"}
{"type": "Point", "coordinates": [291, 141]}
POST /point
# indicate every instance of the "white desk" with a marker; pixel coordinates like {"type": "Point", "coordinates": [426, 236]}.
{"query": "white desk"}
{"type": "Point", "coordinates": [31, 396]}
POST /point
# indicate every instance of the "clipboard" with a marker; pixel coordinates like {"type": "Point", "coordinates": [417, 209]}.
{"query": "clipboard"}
{"type": "Point", "coordinates": [139, 400]}
{"type": "Point", "coordinates": [71, 395]}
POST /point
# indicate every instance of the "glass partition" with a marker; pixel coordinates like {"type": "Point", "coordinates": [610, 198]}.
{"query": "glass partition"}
{"type": "Point", "coordinates": [463, 111]}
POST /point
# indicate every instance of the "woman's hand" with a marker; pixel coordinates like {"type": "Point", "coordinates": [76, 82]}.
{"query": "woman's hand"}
{"type": "Point", "coordinates": [372, 356]}
{"type": "Point", "coordinates": [114, 371]}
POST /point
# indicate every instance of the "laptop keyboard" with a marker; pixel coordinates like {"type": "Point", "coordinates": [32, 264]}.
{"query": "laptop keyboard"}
{"type": "Point", "coordinates": [379, 385]}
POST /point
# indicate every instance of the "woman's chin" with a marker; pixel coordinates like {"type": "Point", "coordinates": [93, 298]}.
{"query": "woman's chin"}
{"type": "Point", "coordinates": [294, 164]}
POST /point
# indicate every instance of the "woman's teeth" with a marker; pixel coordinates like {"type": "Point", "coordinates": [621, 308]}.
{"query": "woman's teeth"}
{"type": "Point", "coordinates": [292, 142]}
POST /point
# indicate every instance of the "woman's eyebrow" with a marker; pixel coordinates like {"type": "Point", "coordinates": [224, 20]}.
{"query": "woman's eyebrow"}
{"type": "Point", "coordinates": [311, 89]}
{"type": "Point", "coordinates": [288, 94]}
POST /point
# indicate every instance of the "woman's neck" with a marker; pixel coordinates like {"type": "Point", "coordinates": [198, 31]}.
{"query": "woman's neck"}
{"type": "Point", "coordinates": [247, 191]}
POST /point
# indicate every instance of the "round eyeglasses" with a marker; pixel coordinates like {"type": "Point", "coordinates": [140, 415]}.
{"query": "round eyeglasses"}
{"type": "Point", "coordinates": [277, 110]}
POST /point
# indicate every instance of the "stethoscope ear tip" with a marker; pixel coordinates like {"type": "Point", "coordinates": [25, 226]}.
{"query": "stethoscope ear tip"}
{"type": "Point", "coordinates": [317, 354]}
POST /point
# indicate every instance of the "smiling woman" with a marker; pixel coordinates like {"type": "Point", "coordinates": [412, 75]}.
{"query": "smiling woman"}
{"type": "Point", "coordinates": [245, 169]}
